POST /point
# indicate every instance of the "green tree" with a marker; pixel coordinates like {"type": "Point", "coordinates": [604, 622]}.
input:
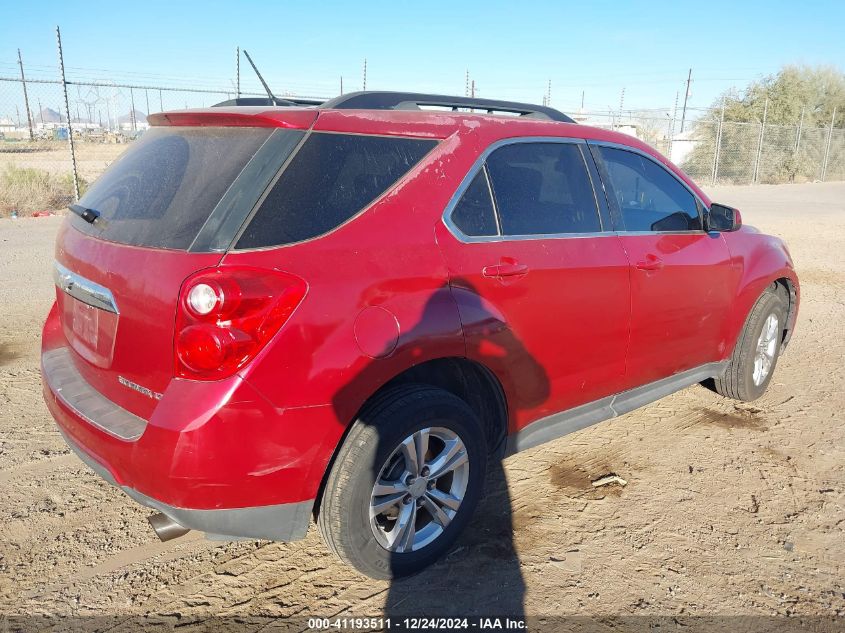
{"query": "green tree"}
{"type": "Point", "coordinates": [815, 90]}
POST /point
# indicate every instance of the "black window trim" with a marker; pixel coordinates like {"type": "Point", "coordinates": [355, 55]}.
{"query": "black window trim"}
{"type": "Point", "coordinates": [205, 238]}
{"type": "Point", "coordinates": [410, 173]}
{"type": "Point", "coordinates": [700, 206]}
{"type": "Point", "coordinates": [481, 163]}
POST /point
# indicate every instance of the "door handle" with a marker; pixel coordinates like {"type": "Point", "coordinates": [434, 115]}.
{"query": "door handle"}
{"type": "Point", "coordinates": [505, 269]}
{"type": "Point", "coordinates": [512, 270]}
{"type": "Point", "coordinates": [651, 262]}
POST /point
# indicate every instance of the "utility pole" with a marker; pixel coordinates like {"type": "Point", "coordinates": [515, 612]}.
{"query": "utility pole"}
{"type": "Point", "coordinates": [238, 72]}
{"type": "Point", "coordinates": [622, 100]}
{"type": "Point", "coordinates": [25, 97]}
{"type": "Point", "coordinates": [549, 94]}
{"type": "Point", "coordinates": [466, 87]}
{"type": "Point", "coordinates": [672, 129]}
{"type": "Point", "coordinates": [686, 96]}
{"type": "Point", "coordinates": [472, 89]}
{"type": "Point", "coordinates": [40, 111]}
{"type": "Point", "coordinates": [365, 74]}
{"type": "Point", "coordinates": [341, 84]}
{"type": "Point", "coordinates": [582, 101]}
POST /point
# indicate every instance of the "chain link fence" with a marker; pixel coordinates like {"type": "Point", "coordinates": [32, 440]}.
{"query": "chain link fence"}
{"type": "Point", "coordinates": [37, 167]}
{"type": "Point", "coordinates": [735, 153]}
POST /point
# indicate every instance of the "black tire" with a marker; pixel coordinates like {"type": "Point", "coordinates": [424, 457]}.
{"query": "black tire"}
{"type": "Point", "coordinates": [344, 513]}
{"type": "Point", "coordinates": [738, 380]}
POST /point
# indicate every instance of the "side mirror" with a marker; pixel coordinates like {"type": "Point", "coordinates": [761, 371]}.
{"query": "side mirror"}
{"type": "Point", "coordinates": [723, 218]}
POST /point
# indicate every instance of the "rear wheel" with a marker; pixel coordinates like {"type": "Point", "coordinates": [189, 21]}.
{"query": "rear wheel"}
{"type": "Point", "coordinates": [405, 482]}
{"type": "Point", "coordinates": [756, 353]}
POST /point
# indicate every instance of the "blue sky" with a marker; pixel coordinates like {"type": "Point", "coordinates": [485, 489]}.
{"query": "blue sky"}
{"type": "Point", "coordinates": [512, 49]}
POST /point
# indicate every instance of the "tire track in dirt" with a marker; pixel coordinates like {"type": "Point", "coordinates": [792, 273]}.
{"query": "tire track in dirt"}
{"type": "Point", "coordinates": [38, 468]}
{"type": "Point", "coordinates": [162, 552]}
{"type": "Point", "coordinates": [726, 504]}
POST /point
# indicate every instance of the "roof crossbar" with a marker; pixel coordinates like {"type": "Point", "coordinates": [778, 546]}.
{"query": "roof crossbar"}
{"type": "Point", "coordinates": [375, 100]}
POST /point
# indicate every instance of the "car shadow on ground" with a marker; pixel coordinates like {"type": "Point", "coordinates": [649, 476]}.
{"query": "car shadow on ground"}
{"type": "Point", "coordinates": [480, 575]}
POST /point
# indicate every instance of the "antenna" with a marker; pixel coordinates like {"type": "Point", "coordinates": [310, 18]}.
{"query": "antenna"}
{"type": "Point", "coordinates": [261, 79]}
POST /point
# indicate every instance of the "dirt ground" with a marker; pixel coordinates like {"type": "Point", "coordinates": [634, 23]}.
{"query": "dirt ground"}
{"type": "Point", "coordinates": [731, 509]}
{"type": "Point", "coordinates": [54, 156]}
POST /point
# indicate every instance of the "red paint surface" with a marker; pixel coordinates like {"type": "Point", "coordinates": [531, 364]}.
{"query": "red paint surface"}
{"type": "Point", "coordinates": [580, 321]}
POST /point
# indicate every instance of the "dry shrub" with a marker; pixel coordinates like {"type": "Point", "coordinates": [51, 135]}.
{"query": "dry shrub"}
{"type": "Point", "coordinates": [26, 190]}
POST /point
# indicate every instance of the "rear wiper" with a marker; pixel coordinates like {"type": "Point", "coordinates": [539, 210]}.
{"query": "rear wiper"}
{"type": "Point", "coordinates": [89, 215]}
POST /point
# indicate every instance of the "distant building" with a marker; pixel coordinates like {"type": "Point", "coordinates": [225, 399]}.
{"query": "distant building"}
{"type": "Point", "coordinates": [125, 121]}
{"type": "Point", "coordinates": [682, 144]}
{"type": "Point", "coordinates": [610, 122]}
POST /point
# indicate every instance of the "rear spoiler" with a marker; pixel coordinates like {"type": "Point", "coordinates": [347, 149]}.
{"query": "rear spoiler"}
{"type": "Point", "coordinates": [293, 118]}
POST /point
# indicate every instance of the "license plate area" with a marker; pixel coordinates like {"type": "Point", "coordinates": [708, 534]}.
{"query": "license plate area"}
{"type": "Point", "coordinates": [89, 330]}
{"type": "Point", "coordinates": [85, 323]}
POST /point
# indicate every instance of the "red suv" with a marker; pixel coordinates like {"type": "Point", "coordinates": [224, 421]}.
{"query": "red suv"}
{"type": "Point", "coordinates": [270, 314]}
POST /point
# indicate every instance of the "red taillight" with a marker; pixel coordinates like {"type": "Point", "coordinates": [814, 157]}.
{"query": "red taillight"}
{"type": "Point", "coordinates": [227, 315]}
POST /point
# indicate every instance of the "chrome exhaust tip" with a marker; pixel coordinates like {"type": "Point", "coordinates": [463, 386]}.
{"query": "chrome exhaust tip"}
{"type": "Point", "coordinates": [166, 528]}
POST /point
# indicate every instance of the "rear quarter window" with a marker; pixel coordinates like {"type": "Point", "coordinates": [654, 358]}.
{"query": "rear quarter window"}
{"type": "Point", "coordinates": [329, 180]}
{"type": "Point", "coordinates": [475, 215]}
{"type": "Point", "coordinates": [164, 187]}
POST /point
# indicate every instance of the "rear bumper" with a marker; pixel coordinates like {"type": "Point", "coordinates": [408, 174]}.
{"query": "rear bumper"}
{"type": "Point", "coordinates": [217, 457]}
{"type": "Point", "coordinates": [282, 522]}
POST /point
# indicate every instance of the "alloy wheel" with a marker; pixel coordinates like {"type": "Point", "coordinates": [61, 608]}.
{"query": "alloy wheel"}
{"type": "Point", "coordinates": [419, 489]}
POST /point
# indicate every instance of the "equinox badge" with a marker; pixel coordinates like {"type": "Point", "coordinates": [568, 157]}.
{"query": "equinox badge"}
{"type": "Point", "coordinates": [135, 386]}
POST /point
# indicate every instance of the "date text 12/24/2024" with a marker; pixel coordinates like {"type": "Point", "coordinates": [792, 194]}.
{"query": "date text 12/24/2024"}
{"type": "Point", "coordinates": [418, 624]}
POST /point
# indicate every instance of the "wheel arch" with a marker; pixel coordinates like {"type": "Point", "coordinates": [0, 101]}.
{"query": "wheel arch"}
{"type": "Point", "coordinates": [789, 289]}
{"type": "Point", "coordinates": [469, 380]}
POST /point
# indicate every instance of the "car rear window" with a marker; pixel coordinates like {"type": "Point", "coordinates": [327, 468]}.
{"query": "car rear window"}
{"type": "Point", "coordinates": [161, 191]}
{"type": "Point", "coordinates": [330, 179]}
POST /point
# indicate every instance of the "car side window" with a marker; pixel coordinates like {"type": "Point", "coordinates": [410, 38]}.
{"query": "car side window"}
{"type": "Point", "coordinates": [474, 215]}
{"type": "Point", "coordinates": [649, 197]}
{"type": "Point", "coordinates": [331, 178]}
{"type": "Point", "coordinates": [543, 188]}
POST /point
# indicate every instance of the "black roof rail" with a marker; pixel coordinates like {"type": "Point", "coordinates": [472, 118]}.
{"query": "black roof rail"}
{"type": "Point", "coordinates": [267, 101]}
{"type": "Point", "coordinates": [374, 100]}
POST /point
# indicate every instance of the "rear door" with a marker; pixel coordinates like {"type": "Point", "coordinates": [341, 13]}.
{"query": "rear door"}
{"type": "Point", "coordinates": [164, 210]}
{"type": "Point", "coordinates": [681, 286]}
{"type": "Point", "coordinates": [542, 290]}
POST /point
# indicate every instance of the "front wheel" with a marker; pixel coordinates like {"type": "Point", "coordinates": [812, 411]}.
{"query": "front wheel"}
{"type": "Point", "coordinates": [404, 483]}
{"type": "Point", "coordinates": [753, 362]}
